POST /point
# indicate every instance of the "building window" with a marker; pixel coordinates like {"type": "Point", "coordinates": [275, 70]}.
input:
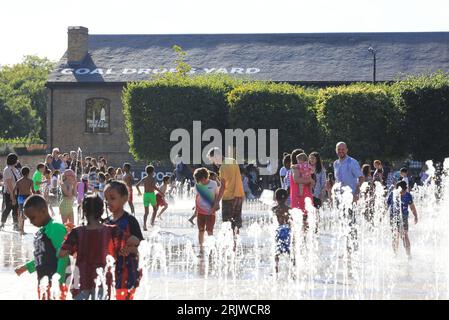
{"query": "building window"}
{"type": "Point", "coordinates": [97, 115]}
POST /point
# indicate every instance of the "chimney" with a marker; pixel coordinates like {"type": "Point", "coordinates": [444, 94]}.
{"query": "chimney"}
{"type": "Point", "coordinates": [77, 44]}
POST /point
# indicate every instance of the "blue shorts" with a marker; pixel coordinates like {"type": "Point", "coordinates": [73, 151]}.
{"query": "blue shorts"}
{"type": "Point", "coordinates": [21, 199]}
{"type": "Point", "coordinates": [283, 239]}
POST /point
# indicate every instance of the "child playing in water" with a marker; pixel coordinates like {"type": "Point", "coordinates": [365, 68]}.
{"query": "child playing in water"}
{"type": "Point", "coordinates": [127, 273]}
{"type": "Point", "coordinates": [119, 174]}
{"type": "Point", "coordinates": [214, 177]}
{"type": "Point", "coordinates": [379, 172]}
{"type": "Point", "coordinates": [93, 182]}
{"type": "Point", "coordinates": [206, 196]}
{"type": "Point", "coordinates": [47, 242]}
{"type": "Point", "coordinates": [101, 184]}
{"type": "Point", "coordinates": [54, 191]}
{"type": "Point", "coordinates": [283, 238]}
{"type": "Point", "coordinates": [23, 189]}
{"type": "Point", "coordinates": [45, 189]}
{"type": "Point", "coordinates": [330, 181]}
{"type": "Point", "coordinates": [54, 182]}
{"type": "Point", "coordinates": [304, 168]}
{"type": "Point", "coordinates": [149, 196]}
{"type": "Point", "coordinates": [82, 188]}
{"type": "Point", "coordinates": [287, 162]}
{"type": "Point", "coordinates": [129, 179]}
{"type": "Point", "coordinates": [160, 199]}
{"type": "Point", "coordinates": [37, 177]}
{"type": "Point", "coordinates": [245, 180]}
{"type": "Point", "coordinates": [68, 194]}
{"type": "Point", "coordinates": [91, 245]}
{"type": "Point", "coordinates": [399, 216]}
{"type": "Point", "coordinates": [404, 177]}
{"type": "Point", "coordinates": [110, 173]}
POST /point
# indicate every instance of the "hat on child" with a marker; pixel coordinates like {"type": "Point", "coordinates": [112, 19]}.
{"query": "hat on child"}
{"type": "Point", "coordinates": [85, 177]}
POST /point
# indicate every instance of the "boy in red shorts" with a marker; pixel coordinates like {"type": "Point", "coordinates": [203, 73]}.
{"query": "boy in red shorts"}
{"type": "Point", "coordinates": [206, 196]}
{"type": "Point", "coordinates": [160, 196]}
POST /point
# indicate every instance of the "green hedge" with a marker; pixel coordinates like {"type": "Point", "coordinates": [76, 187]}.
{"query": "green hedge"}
{"type": "Point", "coordinates": [288, 108]}
{"type": "Point", "coordinates": [362, 115]}
{"type": "Point", "coordinates": [22, 146]}
{"type": "Point", "coordinates": [153, 109]}
{"type": "Point", "coordinates": [21, 141]}
{"type": "Point", "coordinates": [424, 102]}
{"type": "Point", "coordinates": [389, 122]}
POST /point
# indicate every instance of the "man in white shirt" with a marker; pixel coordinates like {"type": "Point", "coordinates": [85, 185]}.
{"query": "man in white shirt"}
{"type": "Point", "coordinates": [10, 177]}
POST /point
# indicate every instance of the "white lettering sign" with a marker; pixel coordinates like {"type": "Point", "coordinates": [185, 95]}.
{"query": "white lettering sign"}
{"type": "Point", "coordinates": [141, 71]}
{"type": "Point", "coordinates": [252, 70]}
{"type": "Point", "coordinates": [82, 71]}
{"type": "Point", "coordinates": [67, 71]}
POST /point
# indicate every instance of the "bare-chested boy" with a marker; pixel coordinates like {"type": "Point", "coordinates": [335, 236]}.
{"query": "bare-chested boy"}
{"type": "Point", "coordinates": [149, 196]}
{"type": "Point", "coordinates": [23, 189]}
{"type": "Point", "coordinates": [129, 179]}
{"type": "Point", "coordinates": [283, 238]}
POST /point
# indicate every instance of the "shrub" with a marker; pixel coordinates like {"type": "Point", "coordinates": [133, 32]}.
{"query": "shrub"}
{"type": "Point", "coordinates": [362, 115]}
{"type": "Point", "coordinates": [153, 109]}
{"type": "Point", "coordinates": [424, 102]}
{"type": "Point", "coordinates": [288, 108]}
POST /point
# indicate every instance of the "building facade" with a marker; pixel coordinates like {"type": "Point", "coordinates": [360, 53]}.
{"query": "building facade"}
{"type": "Point", "coordinates": [84, 90]}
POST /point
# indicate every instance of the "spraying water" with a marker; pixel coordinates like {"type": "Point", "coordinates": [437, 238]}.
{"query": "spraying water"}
{"type": "Point", "coordinates": [342, 251]}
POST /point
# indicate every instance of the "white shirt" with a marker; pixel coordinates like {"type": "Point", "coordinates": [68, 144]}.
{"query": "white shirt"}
{"type": "Point", "coordinates": [282, 175]}
{"type": "Point", "coordinates": [10, 173]}
{"type": "Point", "coordinates": [54, 182]}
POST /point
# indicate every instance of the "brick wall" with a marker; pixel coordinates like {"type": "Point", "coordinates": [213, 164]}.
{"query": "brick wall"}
{"type": "Point", "coordinates": [69, 123]}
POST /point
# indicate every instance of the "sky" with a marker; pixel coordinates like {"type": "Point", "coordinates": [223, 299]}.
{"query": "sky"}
{"type": "Point", "coordinates": [40, 27]}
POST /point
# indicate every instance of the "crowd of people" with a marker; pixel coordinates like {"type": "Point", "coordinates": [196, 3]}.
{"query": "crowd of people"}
{"type": "Point", "coordinates": [304, 177]}
{"type": "Point", "coordinates": [66, 180]}
{"type": "Point", "coordinates": [104, 228]}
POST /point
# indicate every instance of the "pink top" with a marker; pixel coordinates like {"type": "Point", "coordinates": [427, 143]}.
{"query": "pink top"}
{"type": "Point", "coordinates": [80, 191]}
{"type": "Point", "coordinates": [297, 201]}
{"type": "Point", "coordinates": [305, 170]}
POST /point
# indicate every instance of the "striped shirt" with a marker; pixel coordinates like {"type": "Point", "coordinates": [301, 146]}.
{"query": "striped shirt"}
{"type": "Point", "coordinates": [205, 196]}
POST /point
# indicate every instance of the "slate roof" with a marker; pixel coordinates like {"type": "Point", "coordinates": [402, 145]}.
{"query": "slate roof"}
{"type": "Point", "coordinates": [318, 57]}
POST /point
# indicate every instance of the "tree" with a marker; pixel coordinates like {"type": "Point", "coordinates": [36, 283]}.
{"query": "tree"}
{"type": "Point", "coordinates": [182, 67]}
{"type": "Point", "coordinates": [24, 97]}
{"type": "Point", "coordinates": [17, 118]}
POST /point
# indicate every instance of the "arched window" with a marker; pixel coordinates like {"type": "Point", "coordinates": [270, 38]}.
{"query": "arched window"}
{"type": "Point", "coordinates": [97, 115]}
